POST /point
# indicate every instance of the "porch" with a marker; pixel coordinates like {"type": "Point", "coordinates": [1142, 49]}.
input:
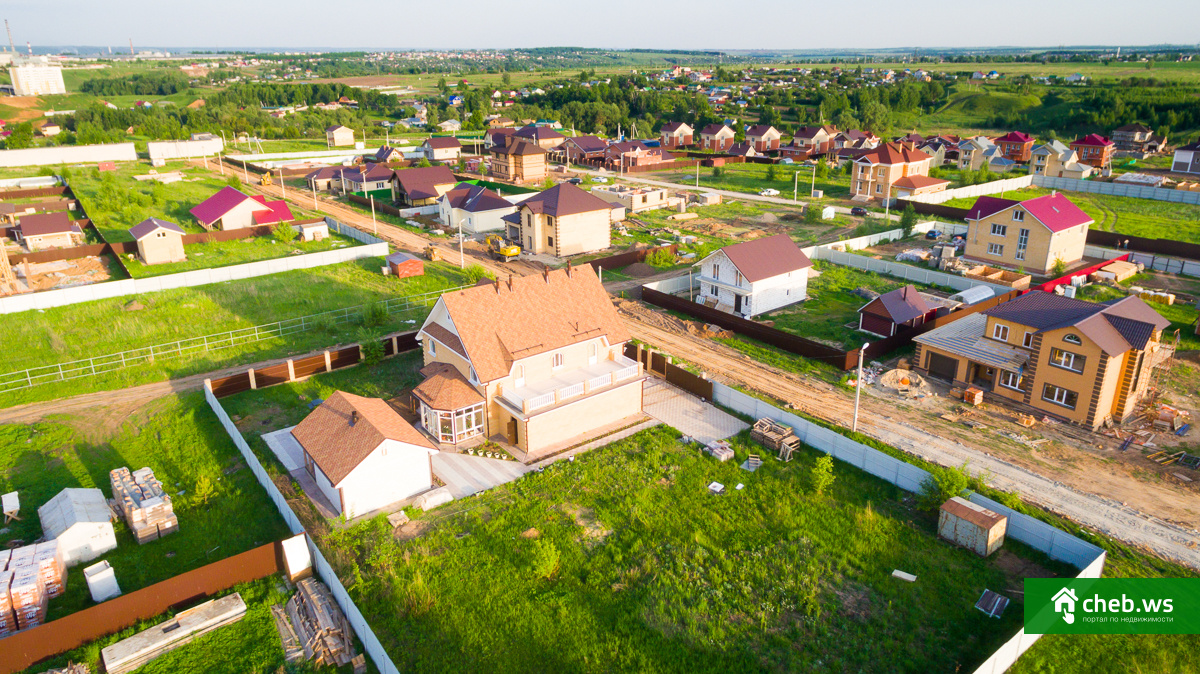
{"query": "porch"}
{"type": "Point", "coordinates": [566, 386]}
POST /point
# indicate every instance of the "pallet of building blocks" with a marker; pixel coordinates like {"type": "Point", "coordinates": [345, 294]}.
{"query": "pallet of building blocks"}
{"type": "Point", "coordinates": [28, 596]}
{"type": "Point", "coordinates": [4, 556]}
{"type": "Point", "coordinates": [144, 503]}
{"type": "Point", "coordinates": [8, 619]}
{"type": "Point", "coordinates": [48, 559]}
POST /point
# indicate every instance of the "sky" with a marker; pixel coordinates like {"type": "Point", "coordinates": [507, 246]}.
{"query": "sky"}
{"type": "Point", "coordinates": [617, 24]}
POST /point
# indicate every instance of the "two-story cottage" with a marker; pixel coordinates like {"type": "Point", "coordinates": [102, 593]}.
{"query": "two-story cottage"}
{"type": "Point", "coordinates": [1057, 160]}
{"type": "Point", "coordinates": [974, 152]}
{"type": "Point", "coordinates": [877, 171]}
{"type": "Point", "coordinates": [754, 277]}
{"type": "Point", "coordinates": [1094, 150]}
{"type": "Point", "coordinates": [1033, 234]}
{"type": "Point", "coordinates": [716, 137]}
{"type": "Point", "coordinates": [443, 148]}
{"type": "Point", "coordinates": [338, 135]}
{"type": "Point", "coordinates": [1015, 145]}
{"type": "Point", "coordinates": [764, 137]}
{"type": "Point", "coordinates": [676, 134]}
{"type": "Point", "coordinates": [1079, 361]}
{"type": "Point", "coordinates": [542, 136]}
{"type": "Point", "coordinates": [474, 209]}
{"type": "Point", "coordinates": [536, 361]}
{"type": "Point", "coordinates": [563, 220]}
{"type": "Point", "coordinates": [422, 186]}
{"type": "Point", "coordinates": [810, 141]}
{"type": "Point", "coordinates": [518, 161]}
{"type": "Point", "coordinates": [1137, 139]}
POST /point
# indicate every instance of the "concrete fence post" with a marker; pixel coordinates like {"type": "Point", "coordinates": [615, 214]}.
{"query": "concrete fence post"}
{"type": "Point", "coordinates": [328, 362]}
{"type": "Point", "coordinates": [253, 383]}
{"type": "Point", "coordinates": [291, 370]}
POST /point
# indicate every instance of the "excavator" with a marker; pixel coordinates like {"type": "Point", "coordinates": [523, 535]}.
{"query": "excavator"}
{"type": "Point", "coordinates": [501, 250]}
{"type": "Point", "coordinates": [266, 180]}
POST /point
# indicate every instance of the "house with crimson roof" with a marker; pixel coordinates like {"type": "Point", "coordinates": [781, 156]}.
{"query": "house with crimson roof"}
{"type": "Point", "coordinates": [1032, 234]}
{"type": "Point", "coordinates": [230, 209]}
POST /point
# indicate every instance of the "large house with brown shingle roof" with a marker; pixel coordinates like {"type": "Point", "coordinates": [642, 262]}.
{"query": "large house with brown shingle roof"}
{"type": "Point", "coordinates": [754, 277]}
{"type": "Point", "coordinates": [876, 172]}
{"type": "Point", "coordinates": [535, 361]}
{"type": "Point", "coordinates": [362, 455]}
{"type": "Point", "coordinates": [716, 137]}
{"type": "Point", "coordinates": [563, 220]}
{"type": "Point", "coordinates": [676, 134]}
{"type": "Point", "coordinates": [422, 186]}
{"type": "Point", "coordinates": [1080, 361]}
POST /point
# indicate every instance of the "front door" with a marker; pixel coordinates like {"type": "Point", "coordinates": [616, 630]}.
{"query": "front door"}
{"type": "Point", "coordinates": [513, 431]}
{"type": "Point", "coordinates": [737, 304]}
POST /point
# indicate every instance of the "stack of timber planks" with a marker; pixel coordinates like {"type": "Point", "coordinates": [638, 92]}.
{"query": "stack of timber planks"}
{"type": "Point", "coordinates": [320, 624]}
{"type": "Point", "coordinates": [129, 654]}
{"type": "Point", "coordinates": [29, 577]}
{"type": "Point", "coordinates": [146, 507]}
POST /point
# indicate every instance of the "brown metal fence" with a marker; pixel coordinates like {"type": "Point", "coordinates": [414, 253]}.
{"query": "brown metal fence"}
{"type": "Point", "coordinates": [1142, 244]}
{"type": "Point", "coordinates": [24, 649]}
{"type": "Point", "coordinates": [381, 206]}
{"type": "Point", "coordinates": [694, 384]}
{"type": "Point", "coordinates": [939, 210]}
{"type": "Point", "coordinates": [33, 192]}
{"type": "Point", "coordinates": [625, 259]}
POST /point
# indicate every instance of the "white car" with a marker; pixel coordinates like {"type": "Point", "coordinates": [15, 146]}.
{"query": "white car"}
{"type": "Point", "coordinates": [769, 192]}
{"type": "Point", "coordinates": [599, 179]}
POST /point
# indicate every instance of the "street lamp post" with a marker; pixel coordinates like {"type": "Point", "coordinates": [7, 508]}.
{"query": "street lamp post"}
{"type": "Point", "coordinates": [858, 386]}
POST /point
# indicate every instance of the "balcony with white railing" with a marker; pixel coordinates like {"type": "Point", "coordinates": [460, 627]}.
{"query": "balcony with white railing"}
{"type": "Point", "coordinates": [570, 385]}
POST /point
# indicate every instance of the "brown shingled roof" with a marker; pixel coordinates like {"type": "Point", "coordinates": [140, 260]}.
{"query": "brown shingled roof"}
{"type": "Point", "coordinates": [337, 447]}
{"type": "Point", "coordinates": [766, 257]}
{"type": "Point", "coordinates": [564, 199]}
{"type": "Point", "coordinates": [498, 325]}
{"type": "Point", "coordinates": [445, 388]}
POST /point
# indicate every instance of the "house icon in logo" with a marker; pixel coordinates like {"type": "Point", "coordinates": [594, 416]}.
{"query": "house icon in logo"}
{"type": "Point", "coordinates": [1064, 603]}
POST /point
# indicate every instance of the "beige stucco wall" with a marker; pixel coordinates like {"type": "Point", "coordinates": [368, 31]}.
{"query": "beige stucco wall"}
{"type": "Point", "coordinates": [1043, 249]}
{"type": "Point", "coordinates": [557, 427]}
{"type": "Point", "coordinates": [240, 216]}
{"type": "Point", "coordinates": [1080, 383]}
{"type": "Point", "coordinates": [158, 250]}
{"type": "Point", "coordinates": [44, 241]}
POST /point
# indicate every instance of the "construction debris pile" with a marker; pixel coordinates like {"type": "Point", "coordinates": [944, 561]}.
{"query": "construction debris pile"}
{"type": "Point", "coordinates": [914, 255]}
{"type": "Point", "coordinates": [776, 436]}
{"type": "Point", "coordinates": [72, 668]}
{"type": "Point", "coordinates": [146, 507]}
{"type": "Point", "coordinates": [320, 626]}
{"type": "Point", "coordinates": [906, 383]}
{"type": "Point", "coordinates": [29, 577]}
{"type": "Point", "coordinates": [870, 374]}
{"type": "Point", "coordinates": [1156, 419]}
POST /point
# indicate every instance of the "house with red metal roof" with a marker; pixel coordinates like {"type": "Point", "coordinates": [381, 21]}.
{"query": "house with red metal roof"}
{"type": "Point", "coordinates": [754, 277]}
{"type": "Point", "coordinates": [1094, 150]}
{"type": "Point", "coordinates": [876, 172]}
{"type": "Point", "coordinates": [230, 209]}
{"type": "Point", "coordinates": [1032, 234]}
{"type": "Point", "coordinates": [1015, 145]}
{"type": "Point", "coordinates": [676, 134]}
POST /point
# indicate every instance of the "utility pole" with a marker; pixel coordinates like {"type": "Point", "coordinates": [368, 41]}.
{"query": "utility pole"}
{"type": "Point", "coordinates": [131, 46]}
{"type": "Point", "coordinates": [11, 47]}
{"type": "Point", "coordinates": [314, 191]}
{"type": "Point", "coordinates": [282, 187]}
{"type": "Point", "coordinates": [462, 262]}
{"type": "Point", "coordinates": [245, 173]}
{"type": "Point", "coordinates": [697, 173]}
{"type": "Point", "coordinates": [887, 206]}
{"type": "Point", "coordinates": [858, 387]}
{"type": "Point", "coordinates": [374, 223]}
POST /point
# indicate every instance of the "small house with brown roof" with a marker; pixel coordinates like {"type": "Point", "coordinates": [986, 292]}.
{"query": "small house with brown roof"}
{"type": "Point", "coordinates": [894, 312]}
{"type": "Point", "coordinates": [534, 361]}
{"type": "Point", "coordinates": [422, 186]}
{"type": "Point", "coordinates": [518, 161]}
{"type": "Point", "coordinates": [716, 137]}
{"type": "Point", "coordinates": [39, 231]}
{"type": "Point", "coordinates": [50, 128]}
{"type": "Point", "coordinates": [676, 134]}
{"type": "Point", "coordinates": [158, 241]}
{"type": "Point", "coordinates": [444, 148]}
{"type": "Point", "coordinates": [764, 137]}
{"type": "Point", "coordinates": [915, 185]}
{"type": "Point", "coordinates": [474, 209]}
{"type": "Point", "coordinates": [338, 135]}
{"type": "Point", "coordinates": [327, 178]}
{"type": "Point", "coordinates": [363, 455]}
{"type": "Point", "coordinates": [563, 220]}
{"type": "Point", "coordinates": [754, 277]}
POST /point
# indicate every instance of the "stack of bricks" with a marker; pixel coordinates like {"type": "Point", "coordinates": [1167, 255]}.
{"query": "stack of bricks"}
{"type": "Point", "coordinates": [51, 569]}
{"type": "Point", "coordinates": [28, 596]}
{"type": "Point", "coordinates": [147, 508]}
{"type": "Point", "coordinates": [8, 619]}
{"type": "Point", "coordinates": [29, 577]}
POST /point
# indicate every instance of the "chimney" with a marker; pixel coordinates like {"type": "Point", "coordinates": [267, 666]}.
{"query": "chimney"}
{"type": "Point", "coordinates": [497, 284]}
{"type": "Point", "coordinates": [353, 418]}
{"type": "Point", "coordinates": [510, 276]}
{"type": "Point", "coordinates": [545, 273]}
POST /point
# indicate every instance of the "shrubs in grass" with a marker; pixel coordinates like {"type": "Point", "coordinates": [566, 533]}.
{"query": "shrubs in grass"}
{"type": "Point", "coordinates": [663, 257]}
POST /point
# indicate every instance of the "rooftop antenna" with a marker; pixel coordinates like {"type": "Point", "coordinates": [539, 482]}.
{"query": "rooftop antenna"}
{"type": "Point", "coordinates": [8, 28]}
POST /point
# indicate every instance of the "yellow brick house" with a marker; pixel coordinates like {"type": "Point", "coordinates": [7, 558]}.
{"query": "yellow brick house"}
{"type": "Point", "coordinates": [1032, 234]}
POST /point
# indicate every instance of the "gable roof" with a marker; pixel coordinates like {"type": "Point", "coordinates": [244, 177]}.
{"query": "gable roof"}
{"type": "Point", "coordinates": [759, 130]}
{"type": "Point", "coordinates": [588, 143]}
{"type": "Point", "coordinates": [564, 199]}
{"type": "Point", "coordinates": [215, 207]}
{"type": "Point", "coordinates": [442, 143]}
{"type": "Point", "coordinates": [672, 127]}
{"type": "Point", "coordinates": [421, 183]}
{"type": "Point", "coordinates": [367, 174]}
{"type": "Point", "coordinates": [277, 211]}
{"type": "Point", "coordinates": [713, 129]}
{"type": "Point", "coordinates": [809, 132]}
{"type": "Point", "coordinates": [916, 182]}
{"type": "Point", "coordinates": [742, 149]}
{"type": "Point", "coordinates": [1015, 137]}
{"type": "Point", "coordinates": [475, 199]}
{"type": "Point", "coordinates": [1113, 326]}
{"type": "Point", "coordinates": [893, 153]}
{"type": "Point", "coordinates": [986, 207]}
{"type": "Point", "coordinates": [1051, 147]}
{"type": "Point", "coordinates": [40, 224]}
{"type": "Point", "coordinates": [1093, 139]}
{"type": "Point", "coordinates": [385, 153]}
{"type": "Point", "coordinates": [150, 225]}
{"type": "Point", "coordinates": [502, 322]}
{"type": "Point", "coordinates": [901, 305]}
{"type": "Point", "coordinates": [536, 133]}
{"type": "Point", "coordinates": [1056, 212]}
{"type": "Point", "coordinates": [1136, 127]}
{"type": "Point", "coordinates": [328, 173]}
{"type": "Point", "coordinates": [518, 148]}
{"type": "Point", "coordinates": [335, 127]}
{"type": "Point", "coordinates": [766, 257]}
{"type": "Point", "coordinates": [338, 447]}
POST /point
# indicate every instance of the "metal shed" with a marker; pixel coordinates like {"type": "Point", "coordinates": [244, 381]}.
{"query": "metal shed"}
{"type": "Point", "coordinates": [81, 521]}
{"type": "Point", "coordinates": [974, 295]}
{"type": "Point", "coordinates": [972, 526]}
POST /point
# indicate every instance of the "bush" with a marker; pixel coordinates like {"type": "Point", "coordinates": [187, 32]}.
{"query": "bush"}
{"type": "Point", "coordinates": [545, 559]}
{"type": "Point", "coordinates": [663, 257]}
{"type": "Point", "coordinates": [234, 181]}
{"type": "Point", "coordinates": [772, 173]}
{"type": "Point", "coordinates": [325, 323]}
{"type": "Point", "coordinates": [284, 233]}
{"type": "Point", "coordinates": [424, 163]}
{"type": "Point", "coordinates": [1059, 268]}
{"type": "Point", "coordinates": [821, 476]}
{"type": "Point", "coordinates": [718, 172]}
{"type": "Point", "coordinates": [476, 272]}
{"type": "Point", "coordinates": [943, 483]}
{"type": "Point", "coordinates": [370, 347]}
{"type": "Point", "coordinates": [374, 315]}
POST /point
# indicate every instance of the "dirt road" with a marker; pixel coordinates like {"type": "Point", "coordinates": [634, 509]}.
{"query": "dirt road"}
{"type": "Point", "coordinates": [883, 420]}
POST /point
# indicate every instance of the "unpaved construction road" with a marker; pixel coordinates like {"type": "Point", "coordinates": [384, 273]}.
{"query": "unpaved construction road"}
{"type": "Point", "coordinates": [879, 419]}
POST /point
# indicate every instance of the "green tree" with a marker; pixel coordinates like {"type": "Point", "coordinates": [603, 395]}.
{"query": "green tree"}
{"type": "Point", "coordinates": [943, 483]}
{"type": "Point", "coordinates": [204, 489]}
{"type": "Point", "coordinates": [821, 477]}
{"type": "Point", "coordinates": [21, 137]}
{"type": "Point", "coordinates": [1060, 267]}
{"type": "Point", "coordinates": [822, 168]}
{"type": "Point", "coordinates": [234, 181]}
{"type": "Point", "coordinates": [908, 220]}
{"type": "Point", "coordinates": [772, 173]}
{"type": "Point", "coordinates": [812, 213]}
{"type": "Point", "coordinates": [284, 233]}
{"type": "Point", "coordinates": [506, 79]}
{"type": "Point", "coordinates": [370, 347]}
{"type": "Point", "coordinates": [442, 86]}
{"type": "Point", "coordinates": [424, 163]}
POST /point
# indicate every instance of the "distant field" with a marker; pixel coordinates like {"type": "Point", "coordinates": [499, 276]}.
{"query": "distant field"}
{"type": "Point", "coordinates": [1183, 72]}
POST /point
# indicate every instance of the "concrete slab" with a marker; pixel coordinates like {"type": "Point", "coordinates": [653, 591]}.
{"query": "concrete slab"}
{"type": "Point", "coordinates": [687, 414]}
{"type": "Point", "coordinates": [465, 475]}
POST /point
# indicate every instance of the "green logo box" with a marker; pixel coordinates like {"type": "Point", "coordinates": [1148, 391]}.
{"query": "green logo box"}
{"type": "Point", "coordinates": [1112, 605]}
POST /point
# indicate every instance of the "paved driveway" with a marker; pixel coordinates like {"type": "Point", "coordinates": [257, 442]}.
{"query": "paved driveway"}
{"type": "Point", "coordinates": [685, 413]}
{"type": "Point", "coordinates": [465, 474]}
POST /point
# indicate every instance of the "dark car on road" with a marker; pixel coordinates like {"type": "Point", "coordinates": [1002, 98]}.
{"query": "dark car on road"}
{"type": "Point", "coordinates": [858, 210]}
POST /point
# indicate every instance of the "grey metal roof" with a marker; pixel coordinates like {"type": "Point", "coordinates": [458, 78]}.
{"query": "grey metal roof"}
{"type": "Point", "coordinates": [974, 294]}
{"type": "Point", "coordinates": [964, 337]}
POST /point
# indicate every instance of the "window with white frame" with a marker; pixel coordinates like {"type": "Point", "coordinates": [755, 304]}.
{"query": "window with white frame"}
{"type": "Point", "coordinates": [453, 426]}
{"type": "Point", "coordinates": [557, 361]}
{"type": "Point", "coordinates": [1028, 341]}
{"type": "Point", "coordinates": [1022, 243]}
{"type": "Point", "coordinates": [1060, 396]}
{"type": "Point", "coordinates": [1072, 338]}
{"type": "Point", "coordinates": [432, 348]}
{"type": "Point", "coordinates": [1018, 216]}
{"type": "Point", "coordinates": [1009, 379]}
{"type": "Point", "coordinates": [1066, 360]}
{"type": "Point", "coordinates": [996, 249]}
{"type": "Point", "coordinates": [1000, 332]}
{"type": "Point", "coordinates": [999, 230]}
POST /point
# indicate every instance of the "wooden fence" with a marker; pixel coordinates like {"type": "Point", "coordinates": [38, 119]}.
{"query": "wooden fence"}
{"type": "Point", "coordinates": [381, 206]}
{"type": "Point", "coordinates": [34, 192]}
{"type": "Point", "coordinates": [300, 368]}
{"type": "Point", "coordinates": [25, 649]}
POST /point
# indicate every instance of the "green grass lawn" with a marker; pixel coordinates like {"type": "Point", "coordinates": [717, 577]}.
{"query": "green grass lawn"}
{"type": "Point", "coordinates": [621, 560]}
{"type": "Point", "coordinates": [832, 305]}
{"type": "Point", "coordinates": [1125, 215]}
{"type": "Point", "coordinates": [752, 178]}
{"type": "Point", "coordinates": [108, 326]}
{"type": "Point", "coordinates": [238, 251]}
{"type": "Point", "coordinates": [185, 444]}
